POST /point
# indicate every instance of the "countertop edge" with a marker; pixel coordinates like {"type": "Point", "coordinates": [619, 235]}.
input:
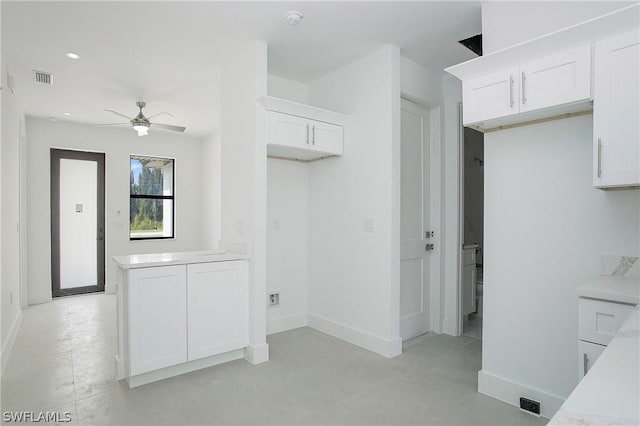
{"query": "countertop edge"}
{"type": "Point", "coordinates": [150, 260]}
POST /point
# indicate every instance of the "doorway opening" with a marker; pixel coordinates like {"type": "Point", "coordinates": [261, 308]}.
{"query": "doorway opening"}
{"type": "Point", "coordinates": [77, 222]}
{"type": "Point", "coordinates": [472, 229]}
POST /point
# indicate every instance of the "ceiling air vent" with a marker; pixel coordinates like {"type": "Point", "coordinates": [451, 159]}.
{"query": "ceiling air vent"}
{"type": "Point", "coordinates": [43, 77]}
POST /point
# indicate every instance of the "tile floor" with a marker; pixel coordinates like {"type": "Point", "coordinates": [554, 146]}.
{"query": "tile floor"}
{"type": "Point", "coordinates": [63, 361]}
{"type": "Point", "coordinates": [473, 327]}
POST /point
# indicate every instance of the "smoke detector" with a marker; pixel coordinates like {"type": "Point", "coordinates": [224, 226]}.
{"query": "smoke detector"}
{"type": "Point", "coordinates": [293, 17]}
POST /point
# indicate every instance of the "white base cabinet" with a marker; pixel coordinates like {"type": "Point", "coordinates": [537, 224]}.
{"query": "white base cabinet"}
{"type": "Point", "coordinates": [616, 111]}
{"type": "Point", "coordinates": [217, 308]}
{"type": "Point", "coordinates": [158, 318]}
{"type": "Point", "coordinates": [598, 323]}
{"type": "Point", "coordinates": [180, 317]}
{"type": "Point", "coordinates": [588, 355]}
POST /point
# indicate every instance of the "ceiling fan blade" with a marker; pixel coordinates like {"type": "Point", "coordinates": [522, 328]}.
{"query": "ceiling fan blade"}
{"type": "Point", "coordinates": [113, 124]}
{"type": "Point", "coordinates": [117, 113]}
{"type": "Point", "coordinates": [160, 113]}
{"type": "Point", "coordinates": [169, 127]}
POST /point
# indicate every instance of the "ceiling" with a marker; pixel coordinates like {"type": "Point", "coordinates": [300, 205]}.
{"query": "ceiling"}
{"type": "Point", "coordinates": [168, 53]}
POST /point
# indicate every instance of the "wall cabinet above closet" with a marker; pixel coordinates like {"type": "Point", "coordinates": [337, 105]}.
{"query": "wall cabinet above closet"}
{"type": "Point", "coordinates": [302, 132]}
{"type": "Point", "coordinates": [547, 87]}
{"type": "Point", "coordinates": [552, 77]}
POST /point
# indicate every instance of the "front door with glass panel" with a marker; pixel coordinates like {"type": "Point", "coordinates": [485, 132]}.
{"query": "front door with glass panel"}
{"type": "Point", "coordinates": [77, 222]}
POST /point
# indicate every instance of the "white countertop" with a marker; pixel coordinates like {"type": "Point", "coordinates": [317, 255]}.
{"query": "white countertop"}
{"type": "Point", "coordinates": [610, 392]}
{"type": "Point", "coordinates": [179, 258]}
{"type": "Point", "coordinates": [614, 289]}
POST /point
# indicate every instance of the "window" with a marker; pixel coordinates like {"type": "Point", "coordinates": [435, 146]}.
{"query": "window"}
{"type": "Point", "coordinates": [151, 205]}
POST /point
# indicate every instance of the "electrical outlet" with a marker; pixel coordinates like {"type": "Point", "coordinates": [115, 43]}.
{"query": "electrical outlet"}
{"type": "Point", "coordinates": [530, 406]}
{"type": "Point", "coordinates": [274, 299]}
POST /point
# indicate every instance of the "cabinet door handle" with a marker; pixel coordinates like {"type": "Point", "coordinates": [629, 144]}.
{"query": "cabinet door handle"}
{"type": "Point", "coordinates": [599, 171]}
{"type": "Point", "coordinates": [313, 133]}
{"type": "Point", "coordinates": [511, 91]}
{"type": "Point", "coordinates": [524, 96]}
{"type": "Point", "coordinates": [585, 363]}
{"type": "Point", "coordinates": [307, 141]}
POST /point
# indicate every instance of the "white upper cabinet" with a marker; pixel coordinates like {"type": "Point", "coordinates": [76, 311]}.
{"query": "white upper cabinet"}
{"type": "Point", "coordinates": [302, 132]}
{"type": "Point", "coordinates": [547, 87]}
{"type": "Point", "coordinates": [491, 96]}
{"type": "Point", "coordinates": [616, 111]}
{"type": "Point", "coordinates": [288, 130]}
{"type": "Point", "coordinates": [556, 80]}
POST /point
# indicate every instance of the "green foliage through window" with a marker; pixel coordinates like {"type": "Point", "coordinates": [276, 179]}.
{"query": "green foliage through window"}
{"type": "Point", "coordinates": [151, 197]}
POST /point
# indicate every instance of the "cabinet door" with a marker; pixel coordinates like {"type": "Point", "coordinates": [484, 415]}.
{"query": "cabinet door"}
{"type": "Point", "coordinates": [288, 130]}
{"type": "Point", "coordinates": [491, 96]}
{"type": "Point", "coordinates": [326, 137]}
{"type": "Point", "coordinates": [616, 108]}
{"type": "Point", "coordinates": [468, 289]}
{"type": "Point", "coordinates": [599, 321]}
{"type": "Point", "coordinates": [588, 353]}
{"type": "Point", "coordinates": [556, 80]}
{"type": "Point", "coordinates": [218, 308]}
{"type": "Point", "coordinates": [158, 318]}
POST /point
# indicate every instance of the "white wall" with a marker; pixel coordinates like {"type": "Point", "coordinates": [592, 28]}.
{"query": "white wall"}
{"type": "Point", "coordinates": [505, 23]}
{"type": "Point", "coordinates": [545, 230]}
{"type": "Point", "coordinates": [287, 226]}
{"type": "Point", "coordinates": [211, 165]}
{"type": "Point", "coordinates": [287, 243]}
{"type": "Point", "coordinates": [118, 144]}
{"type": "Point", "coordinates": [419, 83]}
{"type": "Point", "coordinates": [353, 274]}
{"type": "Point", "coordinates": [244, 176]}
{"type": "Point", "coordinates": [287, 89]}
{"type": "Point", "coordinates": [452, 238]}
{"type": "Point", "coordinates": [10, 131]}
{"type": "Point", "coordinates": [10, 216]}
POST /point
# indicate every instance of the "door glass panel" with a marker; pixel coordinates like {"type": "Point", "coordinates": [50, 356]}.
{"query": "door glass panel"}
{"type": "Point", "coordinates": [78, 219]}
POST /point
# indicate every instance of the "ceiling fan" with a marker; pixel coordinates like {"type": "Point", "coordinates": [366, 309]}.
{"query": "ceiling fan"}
{"type": "Point", "coordinates": [141, 123]}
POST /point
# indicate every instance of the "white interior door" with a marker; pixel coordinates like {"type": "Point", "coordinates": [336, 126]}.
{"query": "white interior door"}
{"type": "Point", "coordinates": [414, 206]}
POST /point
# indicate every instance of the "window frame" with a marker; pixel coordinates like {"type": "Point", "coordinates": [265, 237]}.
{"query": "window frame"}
{"type": "Point", "coordinates": [171, 197]}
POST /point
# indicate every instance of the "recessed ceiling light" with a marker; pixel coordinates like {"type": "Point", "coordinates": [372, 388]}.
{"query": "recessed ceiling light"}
{"type": "Point", "coordinates": [293, 17]}
{"type": "Point", "coordinates": [67, 113]}
{"type": "Point", "coordinates": [53, 119]}
{"type": "Point", "coordinates": [72, 55]}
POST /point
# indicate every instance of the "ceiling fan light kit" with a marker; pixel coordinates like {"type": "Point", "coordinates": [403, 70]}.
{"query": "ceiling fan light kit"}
{"type": "Point", "coordinates": [141, 124]}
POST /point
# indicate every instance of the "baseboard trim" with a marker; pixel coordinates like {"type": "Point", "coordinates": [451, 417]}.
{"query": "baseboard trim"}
{"type": "Point", "coordinates": [256, 354]}
{"type": "Point", "coordinates": [187, 367]}
{"type": "Point", "coordinates": [284, 323]}
{"type": "Point", "coordinates": [510, 392]}
{"type": "Point", "coordinates": [7, 345]}
{"type": "Point", "coordinates": [386, 347]}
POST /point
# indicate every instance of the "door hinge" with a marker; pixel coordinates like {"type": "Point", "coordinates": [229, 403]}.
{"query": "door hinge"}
{"type": "Point", "coordinates": [428, 247]}
{"type": "Point", "coordinates": [428, 234]}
